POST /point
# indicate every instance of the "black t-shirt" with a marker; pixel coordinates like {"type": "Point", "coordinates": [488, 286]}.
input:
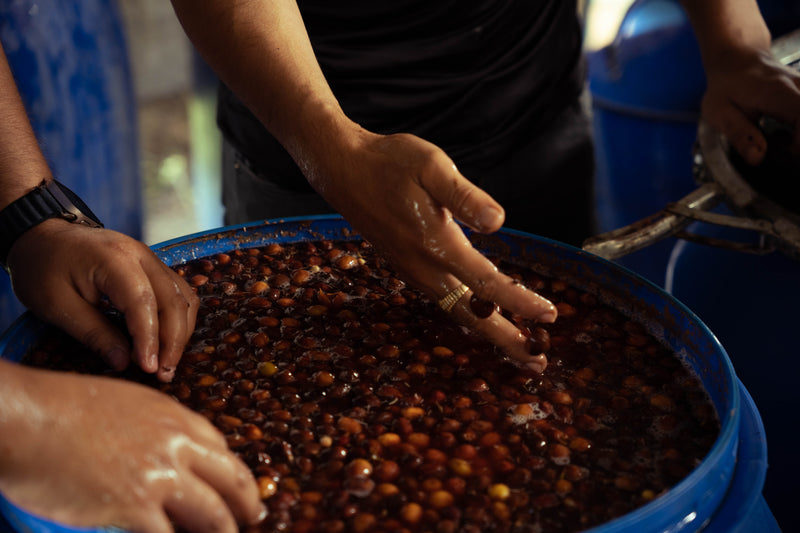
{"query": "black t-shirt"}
{"type": "Point", "coordinates": [471, 76]}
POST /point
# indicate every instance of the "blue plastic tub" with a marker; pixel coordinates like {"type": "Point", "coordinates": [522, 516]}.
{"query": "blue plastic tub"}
{"type": "Point", "coordinates": [750, 302]}
{"type": "Point", "coordinates": [726, 486]}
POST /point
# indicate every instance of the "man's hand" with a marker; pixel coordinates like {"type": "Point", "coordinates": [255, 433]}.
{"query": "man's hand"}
{"type": "Point", "coordinates": [745, 85]}
{"type": "Point", "coordinates": [89, 452]}
{"type": "Point", "coordinates": [399, 191]}
{"type": "Point", "coordinates": [745, 82]}
{"type": "Point", "coordinates": [62, 271]}
{"type": "Point", "coordinates": [404, 195]}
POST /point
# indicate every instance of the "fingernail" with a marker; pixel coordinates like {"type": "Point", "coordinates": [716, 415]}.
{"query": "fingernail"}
{"type": "Point", "coordinates": [118, 358]}
{"type": "Point", "coordinates": [549, 315]}
{"type": "Point", "coordinates": [536, 366]}
{"type": "Point", "coordinates": [490, 218]}
{"type": "Point", "coordinates": [262, 515]}
{"type": "Point", "coordinates": [150, 363]}
{"type": "Point", "coordinates": [167, 373]}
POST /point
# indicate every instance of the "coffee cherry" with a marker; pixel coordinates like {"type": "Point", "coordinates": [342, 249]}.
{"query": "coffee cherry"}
{"type": "Point", "coordinates": [357, 408]}
{"type": "Point", "coordinates": [539, 341]}
{"type": "Point", "coordinates": [482, 308]}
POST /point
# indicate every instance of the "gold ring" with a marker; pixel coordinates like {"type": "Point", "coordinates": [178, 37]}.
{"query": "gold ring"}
{"type": "Point", "coordinates": [452, 297]}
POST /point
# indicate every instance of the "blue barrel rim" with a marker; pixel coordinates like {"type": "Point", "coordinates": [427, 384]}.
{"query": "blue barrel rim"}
{"type": "Point", "coordinates": [727, 441]}
{"type": "Point", "coordinates": [237, 235]}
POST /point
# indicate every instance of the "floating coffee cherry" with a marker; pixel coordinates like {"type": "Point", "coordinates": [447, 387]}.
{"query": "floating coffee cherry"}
{"type": "Point", "coordinates": [482, 308]}
{"type": "Point", "coordinates": [538, 341]}
{"type": "Point", "coordinates": [359, 408]}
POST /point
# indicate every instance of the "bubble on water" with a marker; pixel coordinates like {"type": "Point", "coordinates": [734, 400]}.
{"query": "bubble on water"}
{"type": "Point", "coordinates": [534, 411]}
{"type": "Point", "coordinates": [560, 461]}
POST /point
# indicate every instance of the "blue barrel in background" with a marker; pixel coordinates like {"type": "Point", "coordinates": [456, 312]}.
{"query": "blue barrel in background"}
{"type": "Point", "coordinates": [750, 302]}
{"type": "Point", "coordinates": [71, 65]}
{"type": "Point", "coordinates": [646, 88]}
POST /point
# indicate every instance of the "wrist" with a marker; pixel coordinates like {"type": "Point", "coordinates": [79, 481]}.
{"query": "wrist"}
{"type": "Point", "coordinates": [48, 200]}
{"type": "Point", "coordinates": [325, 144]}
{"type": "Point", "coordinates": [725, 28]}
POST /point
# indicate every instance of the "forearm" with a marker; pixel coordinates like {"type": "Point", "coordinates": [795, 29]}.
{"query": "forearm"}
{"type": "Point", "coordinates": [725, 25]}
{"type": "Point", "coordinates": [744, 80]}
{"type": "Point", "coordinates": [19, 412]}
{"type": "Point", "coordinates": [22, 165]}
{"type": "Point", "coordinates": [261, 50]}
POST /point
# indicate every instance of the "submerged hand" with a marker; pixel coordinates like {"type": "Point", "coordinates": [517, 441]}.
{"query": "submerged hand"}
{"type": "Point", "coordinates": [404, 195]}
{"type": "Point", "coordinates": [90, 452]}
{"type": "Point", "coordinates": [62, 272]}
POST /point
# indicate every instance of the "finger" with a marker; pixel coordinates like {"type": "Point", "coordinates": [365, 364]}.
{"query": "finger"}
{"type": "Point", "coordinates": [177, 312]}
{"type": "Point", "coordinates": [234, 482]}
{"type": "Point", "coordinates": [82, 321]}
{"type": "Point", "coordinates": [779, 99]}
{"type": "Point", "coordinates": [741, 132]}
{"type": "Point", "coordinates": [472, 205]}
{"type": "Point", "coordinates": [782, 100]}
{"type": "Point", "coordinates": [495, 328]}
{"type": "Point", "coordinates": [131, 292]}
{"type": "Point", "coordinates": [147, 521]}
{"type": "Point", "coordinates": [201, 430]}
{"type": "Point", "coordinates": [468, 203]}
{"type": "Point", "coordinates": [481, 275]}
{"type": "Point", "coordinates": [195, 506]}
{"type": "Point", "coordinates": [492, 285]}
{"type": "Point", "coordinates": [502, 333]}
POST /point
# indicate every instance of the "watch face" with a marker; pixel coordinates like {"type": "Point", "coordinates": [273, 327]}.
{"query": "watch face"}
{"type": "Point", "coordinates": [72, 207]}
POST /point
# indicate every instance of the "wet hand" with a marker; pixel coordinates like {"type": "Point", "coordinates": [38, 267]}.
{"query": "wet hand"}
{"type": "Point", "coordinates": [404, 195]}
{"type": "Point", "coordinates": [90, 452]}
{"type": "Point", "coordinates": [63, 271]}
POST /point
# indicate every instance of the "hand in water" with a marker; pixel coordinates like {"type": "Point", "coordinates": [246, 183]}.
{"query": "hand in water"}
{"type": "Point", "coordinates": [65, 289]}
{"type": "Point", "coordinates": [89, 451]}
{"type": "Point", "coordinates": [404, 195]}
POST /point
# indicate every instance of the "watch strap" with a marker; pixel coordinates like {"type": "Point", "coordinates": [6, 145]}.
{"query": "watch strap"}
{"type": "Point", "coordinates": [50, 199]}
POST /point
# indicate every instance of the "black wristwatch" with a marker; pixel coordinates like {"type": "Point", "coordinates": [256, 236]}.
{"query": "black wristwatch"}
{"type": "Point", "coordinates": [49, 200]}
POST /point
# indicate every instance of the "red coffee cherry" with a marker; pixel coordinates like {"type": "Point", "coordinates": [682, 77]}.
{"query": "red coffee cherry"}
{"type": "Point", "coordinates": [539, 341]}
{"type": "Point", "coordinates": [347, 398]}
{"type": "Point", "coordinates": [482, 308]}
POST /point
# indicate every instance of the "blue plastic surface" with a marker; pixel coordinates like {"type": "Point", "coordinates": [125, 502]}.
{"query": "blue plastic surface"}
{"type": "Point", "coordinates": [690, 504]}
{"type": "Point", "coordinates": [70, 62]}
{"type": "Point", "coordinates": [744, 509]}
{"type": "Point", "coordinates": [646, 88]}
{"type": "Point", "coordinates": [652, 68]}
{"type": "Point", "coordinates": [750, 302]}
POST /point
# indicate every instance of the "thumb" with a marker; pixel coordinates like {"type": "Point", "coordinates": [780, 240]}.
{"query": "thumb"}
{"type": "Point", "coordinates": [741, 132]}
{"type": "Point", "coordinates": [469, 203]}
